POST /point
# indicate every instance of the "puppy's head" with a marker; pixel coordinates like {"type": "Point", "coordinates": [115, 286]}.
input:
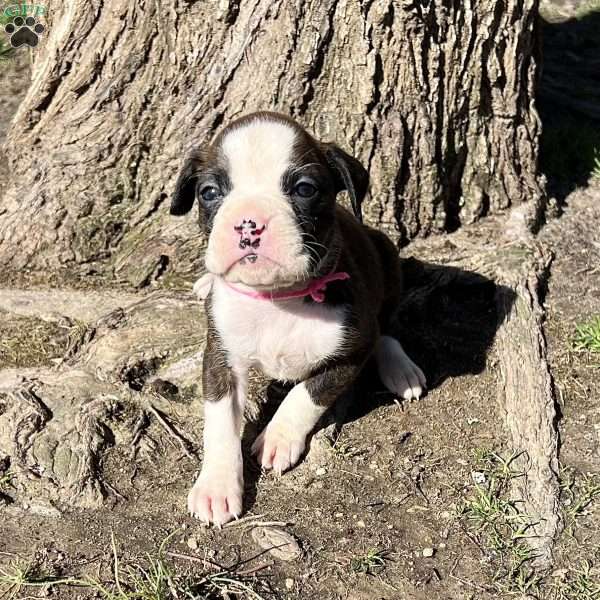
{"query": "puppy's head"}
{"type": "Point", "coordinates": [266, 191]}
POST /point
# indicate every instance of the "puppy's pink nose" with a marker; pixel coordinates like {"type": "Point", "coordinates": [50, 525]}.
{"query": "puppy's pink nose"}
{"type": "Point", "coordinates": [248, 234]}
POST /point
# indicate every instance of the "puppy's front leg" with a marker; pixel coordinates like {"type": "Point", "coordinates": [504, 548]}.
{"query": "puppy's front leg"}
{"type": "Point", "coordinates": [217, 494]}
{"type": "Point", "coordinates": [281, 444]}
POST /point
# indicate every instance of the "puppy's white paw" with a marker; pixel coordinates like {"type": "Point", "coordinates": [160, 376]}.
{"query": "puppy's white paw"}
{"type": "Point", "coordinates": [217, 496]}
{"type": "Point", "coordinates": [278, 447]}
{"type": "Point", "coordinates": [398, 372]}
{"type": "Point", "coordinates": [203, 286]}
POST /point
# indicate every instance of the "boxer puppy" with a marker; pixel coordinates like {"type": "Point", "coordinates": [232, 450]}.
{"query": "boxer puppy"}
{"type": "Point", "coordinates": [297, 286]}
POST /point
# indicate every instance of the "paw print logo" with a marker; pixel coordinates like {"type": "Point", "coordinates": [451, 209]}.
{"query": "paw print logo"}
{"type": "Point", "coordinates": [24, 32]}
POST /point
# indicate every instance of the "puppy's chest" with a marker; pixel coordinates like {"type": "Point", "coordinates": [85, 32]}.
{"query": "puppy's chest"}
{"type": "Point", "coordinates": [286, 340]}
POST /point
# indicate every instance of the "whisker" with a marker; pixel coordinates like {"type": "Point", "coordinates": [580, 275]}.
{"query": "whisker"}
{"type": "Point", "coordinates": [313, 256]}
{"type": "Point", "coordinates": [317, 244]}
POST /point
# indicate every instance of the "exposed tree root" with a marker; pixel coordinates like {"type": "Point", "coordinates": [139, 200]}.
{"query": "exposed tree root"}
{"type": "Point", "coordinates": [527, 397]}
{"type": "Point", "coordinates": [57, 424]}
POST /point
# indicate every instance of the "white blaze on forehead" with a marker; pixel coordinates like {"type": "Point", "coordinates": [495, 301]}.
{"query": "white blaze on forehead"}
{"type": "Point", "coordinates": [258, 153]}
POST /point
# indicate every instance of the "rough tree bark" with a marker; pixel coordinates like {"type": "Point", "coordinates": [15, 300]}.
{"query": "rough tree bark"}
{"type": "Point", "coordinates": [527, 393]}
{"type": "Point", "coordinates": [436, 97]}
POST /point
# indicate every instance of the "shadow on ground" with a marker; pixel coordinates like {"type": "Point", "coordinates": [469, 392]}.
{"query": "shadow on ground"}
{"type": "Point", "coordinates": [569, 101]}
{"type": "Point", "coordinates": [447, 324]}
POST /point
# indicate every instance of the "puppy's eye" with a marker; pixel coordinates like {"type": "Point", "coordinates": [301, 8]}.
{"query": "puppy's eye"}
{"type": "Point", "coordinates": [305, 190]}
{"type": "Point", "coordinates": [209, 193]}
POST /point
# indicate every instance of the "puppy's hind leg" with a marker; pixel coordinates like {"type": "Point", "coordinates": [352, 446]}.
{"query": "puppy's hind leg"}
{"type": "Point", "coordinates": [397, 371]}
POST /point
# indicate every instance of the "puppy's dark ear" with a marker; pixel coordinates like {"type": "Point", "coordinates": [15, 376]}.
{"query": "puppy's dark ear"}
{"type": "Point", "coordinates": [349, 175]}
{"type": "Point", "coordinates": [185, 188]}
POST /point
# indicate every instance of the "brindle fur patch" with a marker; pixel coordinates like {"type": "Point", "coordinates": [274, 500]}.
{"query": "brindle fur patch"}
{"type": "Point", "coordinates": [218, 379]}
{"type": "Point", "coordinates": [374, 288]}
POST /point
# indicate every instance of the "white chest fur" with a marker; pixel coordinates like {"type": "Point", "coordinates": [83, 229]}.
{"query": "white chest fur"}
{"type": "Point", "coordinates": [285, 339]}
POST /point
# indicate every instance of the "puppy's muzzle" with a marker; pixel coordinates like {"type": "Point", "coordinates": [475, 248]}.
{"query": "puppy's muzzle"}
{"type": "Point", "coordinates": [256, 240]}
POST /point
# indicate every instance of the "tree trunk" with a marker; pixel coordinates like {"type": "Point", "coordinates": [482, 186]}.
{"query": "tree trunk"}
{"type": "Point", "coordinates": [435, 97]}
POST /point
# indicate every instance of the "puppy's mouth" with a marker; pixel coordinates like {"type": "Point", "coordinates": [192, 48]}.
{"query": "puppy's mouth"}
{"type": "Point", "coordinates": [250, 258]}
{"type": "Point", "coordinates": [260, 272]}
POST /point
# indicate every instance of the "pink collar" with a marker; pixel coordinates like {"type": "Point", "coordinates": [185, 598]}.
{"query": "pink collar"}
{"type": "Point", "coordinates": [316, 289]}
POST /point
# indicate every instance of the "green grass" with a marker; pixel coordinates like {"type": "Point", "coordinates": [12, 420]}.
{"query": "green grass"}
{"type": "Point", "coordinates": [6, 479]}
{"type": "Point", "coordinates": [497, 522]}
{"type": "Point", "coordinates": [580, 583]}
{"type": "Point", "coordinates": [18, 576]}
{"type": "Point", "coordinates": [154, 578]}
{"type": "Point", "coordinates": [587, 336]}
{"type": "Point", "coordinates": [578, 492]}
{"type": "Point", "coordinates": [370, 563]}
{"type": "Point", "coordinates": [577, 581]}
{"type": "Point", "coordinates": [149, 582]}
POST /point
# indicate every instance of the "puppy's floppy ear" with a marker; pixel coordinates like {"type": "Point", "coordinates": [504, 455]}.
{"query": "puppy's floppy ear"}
{"type": "Point", "coordinates": [349, 175]}
{"type": "Point", "coordinates": [185, 188]}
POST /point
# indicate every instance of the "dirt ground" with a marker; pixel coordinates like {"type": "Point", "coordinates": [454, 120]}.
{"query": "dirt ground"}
{"type": "Point", "coordinates": [406, 502]}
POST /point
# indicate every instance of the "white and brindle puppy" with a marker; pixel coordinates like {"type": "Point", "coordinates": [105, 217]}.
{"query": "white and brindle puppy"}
{"type": "Point", "coordinates": [300, 289]}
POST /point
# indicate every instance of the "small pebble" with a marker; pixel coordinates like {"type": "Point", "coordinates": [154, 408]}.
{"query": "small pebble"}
{"type": "Point", "coordinates": [289, 583]}
{"type": "Point", "coordinates": [428, 552]}
{"type": "Point", "coordinates": [192, 543]}
{"type": "Point", "coordinates": [321, 471]}
{"type": "Point", "coordinates": [360, 524]}
{"type": "Point", "coordinates": [278, 542]}
{"type": "Point", "coordinates": [478, 477]}
{"type": "Point", "coordinates": [442, 546]}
